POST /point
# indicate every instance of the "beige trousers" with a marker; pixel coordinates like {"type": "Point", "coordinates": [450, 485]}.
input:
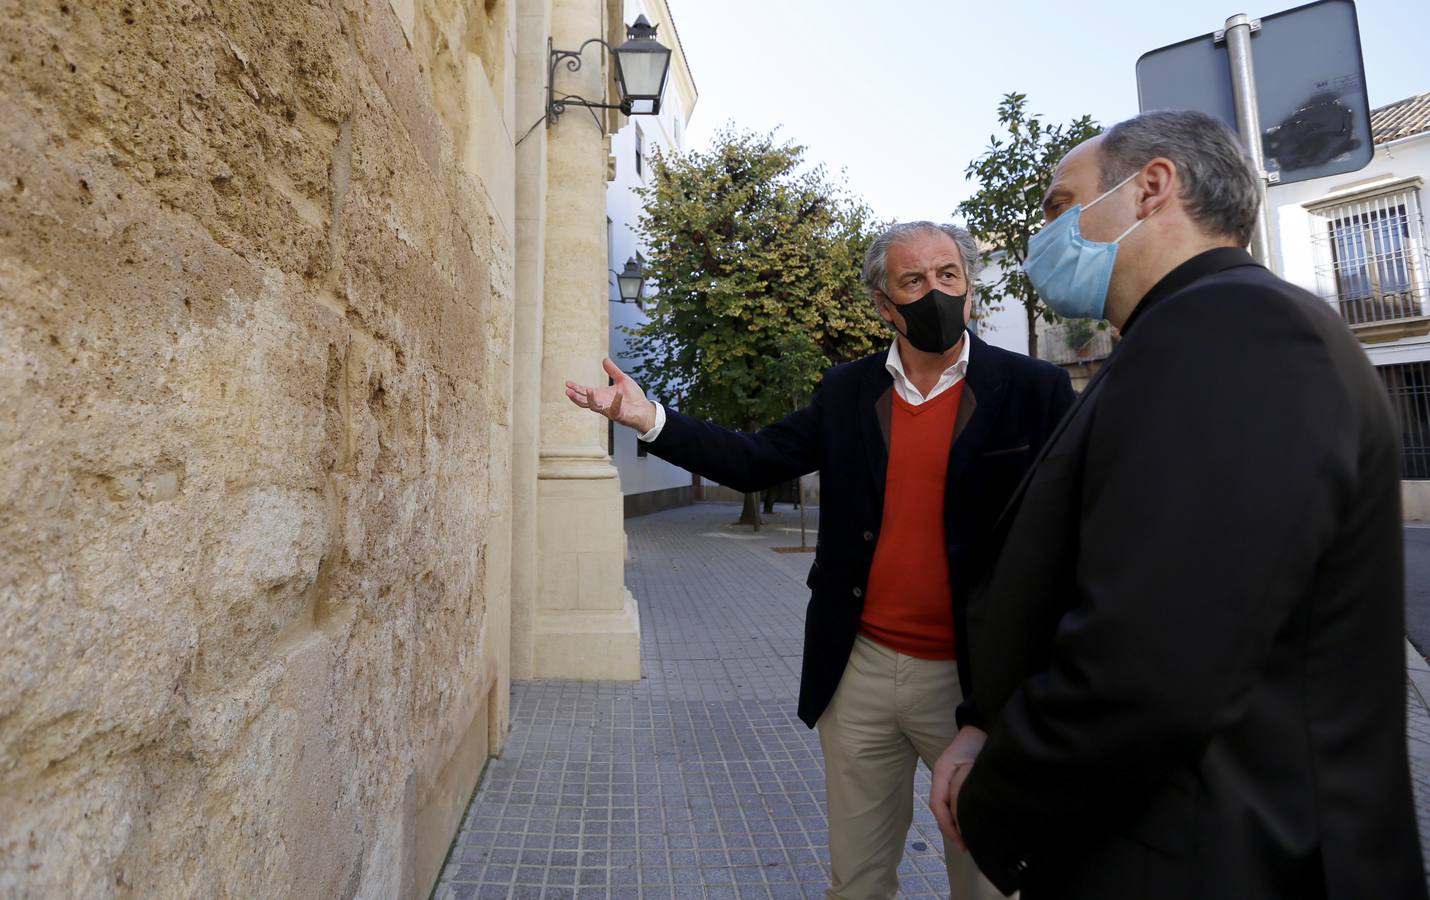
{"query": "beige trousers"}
{"type": "Point", "coordinates": [890, 711]}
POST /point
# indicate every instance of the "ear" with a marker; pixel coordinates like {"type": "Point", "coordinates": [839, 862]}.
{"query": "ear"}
{"type": "Point", "coordinates": [1157, 185]}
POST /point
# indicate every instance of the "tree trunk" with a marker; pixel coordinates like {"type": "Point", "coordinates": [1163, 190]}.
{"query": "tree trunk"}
{"type": "Point", "coordinates": [750, 515]}
{"type": "Point", "coordinates": [770, 501]}
{"type": "Point", "coordinates": [1031, 310]}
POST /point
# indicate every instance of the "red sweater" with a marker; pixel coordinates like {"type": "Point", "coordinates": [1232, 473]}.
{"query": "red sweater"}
{"type": "Point", "coordinates": [909, 607]}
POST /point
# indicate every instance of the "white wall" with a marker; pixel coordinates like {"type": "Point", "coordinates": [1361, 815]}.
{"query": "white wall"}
{"type": "Point", "coordinates": [623, 208]}
{"type": "Point", "coordinates": [1006, 327]}
{"type": "Point", "coordinates": [1292, 224]}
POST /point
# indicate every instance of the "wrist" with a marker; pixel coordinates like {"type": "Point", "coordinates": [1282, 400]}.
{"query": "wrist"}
{"type": "Point", "coordinates": [648, 418]}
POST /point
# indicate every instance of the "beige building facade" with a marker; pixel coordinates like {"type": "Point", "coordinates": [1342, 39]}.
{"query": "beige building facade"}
{"type": "Point", "coordinates": [290, 491]}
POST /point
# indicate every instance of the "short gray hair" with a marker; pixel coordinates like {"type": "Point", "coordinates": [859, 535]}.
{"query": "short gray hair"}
{"type": "Point", "coordinates": [1219, 187]}
{"type": "Point", "coordinates": [876, 258]}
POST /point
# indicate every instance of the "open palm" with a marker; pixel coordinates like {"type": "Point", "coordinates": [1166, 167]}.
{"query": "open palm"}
{"type": "Point", "coordinates": [622, 402]}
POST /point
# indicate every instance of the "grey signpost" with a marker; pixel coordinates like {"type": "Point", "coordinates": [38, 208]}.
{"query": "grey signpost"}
{"type": "Point", "coordinates": [1248, 122]}
{"type": "Point", "coordinates": [1292, 84]}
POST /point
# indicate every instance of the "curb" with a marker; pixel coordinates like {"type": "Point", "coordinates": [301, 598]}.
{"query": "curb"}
{"type": "Point", "coordinates": [1418, 670]}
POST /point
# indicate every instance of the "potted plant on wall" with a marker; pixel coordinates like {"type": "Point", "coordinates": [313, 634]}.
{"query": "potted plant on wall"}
{"type": "Point", "coordinates": [1079, 334]}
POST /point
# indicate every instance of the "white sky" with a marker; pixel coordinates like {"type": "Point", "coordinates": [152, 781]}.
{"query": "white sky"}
{"type": "Point", "coordinates": [902, 94]}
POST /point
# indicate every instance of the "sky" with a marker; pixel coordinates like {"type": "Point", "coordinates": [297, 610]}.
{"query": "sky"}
{"type": "Point", "coordinates": [902, 94]}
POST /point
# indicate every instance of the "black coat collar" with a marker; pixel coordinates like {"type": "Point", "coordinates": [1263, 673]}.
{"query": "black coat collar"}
{"type": "Point", "coordinates": [1198, 267]}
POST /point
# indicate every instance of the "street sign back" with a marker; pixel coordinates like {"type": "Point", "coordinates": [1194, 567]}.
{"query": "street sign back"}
{"type": "Point", "coordinates": [1310, 84]}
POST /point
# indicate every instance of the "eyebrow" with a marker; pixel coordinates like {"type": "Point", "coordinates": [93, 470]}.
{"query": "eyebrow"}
{"type": "Point", "coordinates": [950, 264]}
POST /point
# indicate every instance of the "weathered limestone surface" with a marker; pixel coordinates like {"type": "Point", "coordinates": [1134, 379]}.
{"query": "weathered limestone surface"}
{"type": "Point", "coordinates": [255, 326]}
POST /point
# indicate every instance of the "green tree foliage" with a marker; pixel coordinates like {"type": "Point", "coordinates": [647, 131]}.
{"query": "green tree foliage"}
{"type": "Point", "coordinates": [1012, 176]}
{"type": "Point", "coordinates": [756, 260]}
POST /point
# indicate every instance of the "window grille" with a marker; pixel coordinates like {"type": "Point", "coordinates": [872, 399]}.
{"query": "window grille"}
{"type": "Point", "coordinates": [1370, 257]}
{"type": "Point", "coordinates": [1408, 385]}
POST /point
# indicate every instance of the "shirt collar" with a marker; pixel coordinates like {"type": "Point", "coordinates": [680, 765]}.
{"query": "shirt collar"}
{"type": "Point", "coordinates": [894, 362]}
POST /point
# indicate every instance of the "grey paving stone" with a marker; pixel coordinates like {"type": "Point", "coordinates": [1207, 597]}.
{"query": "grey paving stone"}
{"type": "Point", "coordinates": [698, 780]}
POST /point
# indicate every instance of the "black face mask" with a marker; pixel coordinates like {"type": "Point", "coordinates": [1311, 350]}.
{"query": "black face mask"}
{"type": "Point", "coordinates": [934, 321]}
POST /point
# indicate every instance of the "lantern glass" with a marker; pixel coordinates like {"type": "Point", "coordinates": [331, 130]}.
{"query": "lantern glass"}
{"type": "Point", "coordinates": [631, 280]}
{"type": "Point", "coordinates": [642, 66]}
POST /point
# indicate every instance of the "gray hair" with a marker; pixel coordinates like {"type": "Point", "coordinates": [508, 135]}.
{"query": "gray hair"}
{"type": "Point", "coordinates": [876, 258]}
{"type": "Point", "coordinates": [1219, 187]}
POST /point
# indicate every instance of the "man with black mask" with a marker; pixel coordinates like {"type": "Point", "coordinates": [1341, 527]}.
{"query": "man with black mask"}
{"type": "Point", "coordinates": [919, 449]}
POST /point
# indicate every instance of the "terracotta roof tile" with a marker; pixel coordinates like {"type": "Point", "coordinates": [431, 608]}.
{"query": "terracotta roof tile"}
{"type": "Point", "coordinates": [1402, 118]}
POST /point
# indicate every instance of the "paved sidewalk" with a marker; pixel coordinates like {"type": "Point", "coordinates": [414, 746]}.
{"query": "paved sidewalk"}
{"type": "Point", "coordinates": [1418, 735]}
{"type": "Point", "coordinates": [698, 781]}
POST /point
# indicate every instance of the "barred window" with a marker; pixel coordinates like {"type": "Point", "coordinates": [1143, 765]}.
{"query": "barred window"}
{"type": "Point", "coordinates": [1370, 257]}
{"type": "Point", "coordinates": [1409, 387]}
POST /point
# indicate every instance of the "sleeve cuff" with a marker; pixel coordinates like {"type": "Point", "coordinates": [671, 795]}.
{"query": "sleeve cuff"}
{"type": "Point", "coordinates": [967, 714]}
{"type": "Point", "coordinates": [659, 425]}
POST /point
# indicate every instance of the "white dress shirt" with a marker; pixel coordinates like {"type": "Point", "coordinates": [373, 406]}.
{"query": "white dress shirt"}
{"type": "Point", "coordinates": [910, 394]}
{"type": "Point", "coordinates": [895, 364]}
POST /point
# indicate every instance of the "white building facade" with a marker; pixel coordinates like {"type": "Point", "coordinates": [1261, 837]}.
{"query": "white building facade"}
{"type": "Point", "coordinates": [649, 484]}
{"type": "Point", "coordinates": [1358, 241]}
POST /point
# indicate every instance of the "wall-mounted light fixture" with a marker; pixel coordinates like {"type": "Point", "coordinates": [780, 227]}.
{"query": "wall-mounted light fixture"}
{"type": "Point", "coordinates": [631, 281]}
{"type": "Point", "coordinates": [642, 66]}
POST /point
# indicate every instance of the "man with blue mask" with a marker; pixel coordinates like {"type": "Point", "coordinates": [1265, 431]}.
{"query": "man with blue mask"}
{"type": "Point", "coordinates": [1187, 657]}
{"type": "Point", "coordinates": [919, 447]}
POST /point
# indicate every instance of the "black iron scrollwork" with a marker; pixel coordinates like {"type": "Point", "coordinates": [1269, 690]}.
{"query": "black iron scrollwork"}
{"type": "Point", "coordinates": [556, 103]}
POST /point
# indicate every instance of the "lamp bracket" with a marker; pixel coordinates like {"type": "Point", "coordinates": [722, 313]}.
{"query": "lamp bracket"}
{"type": "Point", "coordinates": [556, 103]}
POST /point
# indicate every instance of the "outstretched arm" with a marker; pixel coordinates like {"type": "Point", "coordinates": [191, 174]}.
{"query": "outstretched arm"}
{"type": "Point", "coordinates": [623, 401]}
{"type": "Point", "coordinates": [744, 461]}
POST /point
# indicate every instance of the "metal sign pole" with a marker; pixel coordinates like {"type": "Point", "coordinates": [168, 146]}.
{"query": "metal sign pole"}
{"type": "Point", "coordinates": [1248, 120]}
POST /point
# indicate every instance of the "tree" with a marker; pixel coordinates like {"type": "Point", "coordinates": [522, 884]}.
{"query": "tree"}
{"type": "Point", "coordinates": [757, 264]}
{"type": "Point", "coordinates": [1006, 211]}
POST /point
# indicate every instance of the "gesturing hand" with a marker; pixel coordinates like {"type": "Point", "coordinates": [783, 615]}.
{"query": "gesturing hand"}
{"type": "Point", "coordinates": [949, 773]}
{"type": "Point", "coordinates": [622, 402]}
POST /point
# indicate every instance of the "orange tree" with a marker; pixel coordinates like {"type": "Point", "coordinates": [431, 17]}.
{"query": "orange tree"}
{"type": "Point", "coordinates": [1006, 211]}
{"type": "Point", "coordinates": [755, 259]}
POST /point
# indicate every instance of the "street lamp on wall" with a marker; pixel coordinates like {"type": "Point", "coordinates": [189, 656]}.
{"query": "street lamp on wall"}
{"type": "Point", "coordinates": [631, 281]}
{"type": "Point", "coordinates": [642, 67]}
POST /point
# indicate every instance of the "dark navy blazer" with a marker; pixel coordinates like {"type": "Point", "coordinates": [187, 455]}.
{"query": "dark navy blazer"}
{"type": "Point", "coordinates": [1010, 405]}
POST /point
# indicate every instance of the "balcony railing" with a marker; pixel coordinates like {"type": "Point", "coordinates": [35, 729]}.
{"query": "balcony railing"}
{"type": "Point", "coordinates": [1074, 342]}
{"type": "Point", "coordinates": [1370, 258]}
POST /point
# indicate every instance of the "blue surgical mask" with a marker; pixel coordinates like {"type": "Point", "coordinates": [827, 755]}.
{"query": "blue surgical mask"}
{"type": "Point", "coordinates": [1070, 272]}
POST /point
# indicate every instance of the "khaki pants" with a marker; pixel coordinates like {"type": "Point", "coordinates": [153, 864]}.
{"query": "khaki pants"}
{"type": "Point", "coordinates": [890, 711]}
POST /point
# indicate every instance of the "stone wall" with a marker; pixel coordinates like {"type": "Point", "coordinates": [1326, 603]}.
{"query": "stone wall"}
{"type": "Point", "coordinates": [255, 325]}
